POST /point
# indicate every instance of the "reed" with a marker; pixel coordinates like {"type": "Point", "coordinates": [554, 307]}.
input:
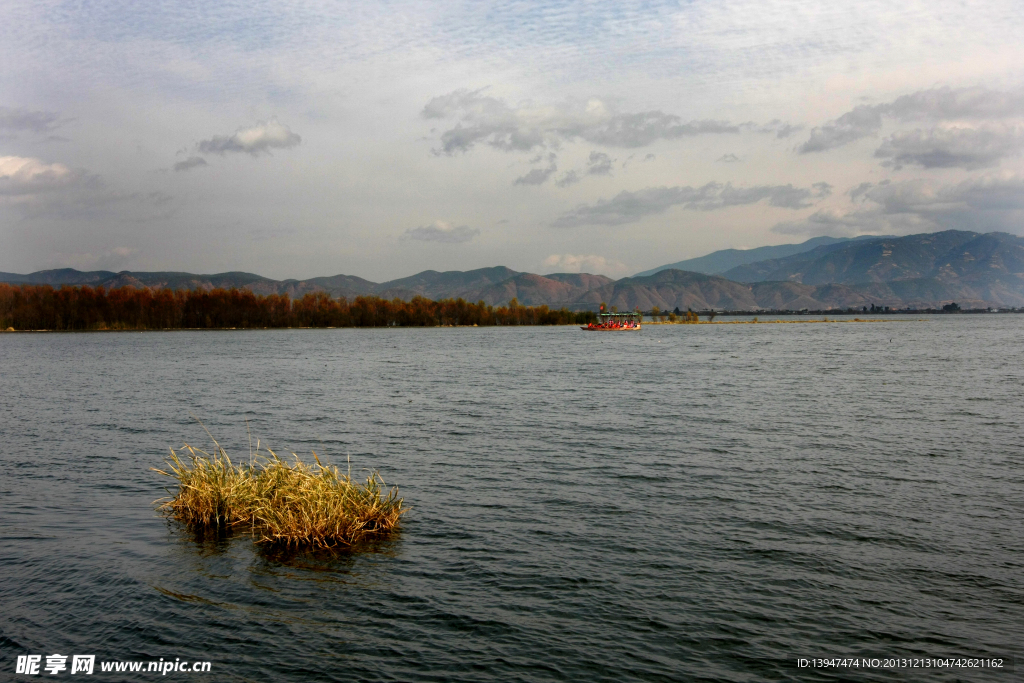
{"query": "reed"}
{"type": "Point", "coordinates": [295, 504]}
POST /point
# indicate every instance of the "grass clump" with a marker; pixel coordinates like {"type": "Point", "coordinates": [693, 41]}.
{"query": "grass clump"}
{"type": "Point", "coordinates": [294, 504]}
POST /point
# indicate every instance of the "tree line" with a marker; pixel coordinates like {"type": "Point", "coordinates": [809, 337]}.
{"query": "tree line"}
{"type": "Point", "coordinates": [42, 307]}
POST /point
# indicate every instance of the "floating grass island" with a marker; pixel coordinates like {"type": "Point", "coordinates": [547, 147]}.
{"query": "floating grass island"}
{"type": "Point", "coordinates": [281, 503]}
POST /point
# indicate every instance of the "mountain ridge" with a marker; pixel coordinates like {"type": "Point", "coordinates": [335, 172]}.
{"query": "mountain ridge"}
{"type": "Point", "coordinates": [718, 262]}
{"type": "Point", "coordinates": [926, 270]}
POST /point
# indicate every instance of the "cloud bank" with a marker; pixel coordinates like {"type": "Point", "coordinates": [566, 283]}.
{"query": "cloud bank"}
{"type": "Point", "coordinates": [190, 163]}
{"type": "Point", "coordinates": [936, 104]}
{"type": "Point", "coordinates": [483, 119]}
{"type": "Point", "coordinates": [994, 202]}
{"type": "Point", "coordinates": [630, 207]}
{"type": "Point", "coordinates": [255, 140]}
{"type": "Point", "coordinates": [440, 231]}
{"type": "Point", "coordinates": [583, 263]}
{"type": "Point", "coordinates": [17, 120]}
{"type": "Point", "coordinates": [25, 176]}
{"type": "Point", "coordinates": [952, 147]}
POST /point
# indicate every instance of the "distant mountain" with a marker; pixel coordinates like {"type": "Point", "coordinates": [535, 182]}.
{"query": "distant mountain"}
{"type": "Point", "coordinates": [348, 286]}
{"type": "Point", "coordinates": [536, 290]}
{"type": "Point", "coordinates": [669, 289]}
{"type": "Point", "coordinates": [949, 256]}
{"type": "Point", "coordinates": [719, 262]}
{"type": "Point", "coordinates": [926, 271]}
{"type": "Point", "coordinates": [60, 276]}
{"type": "Point", "coordinates": [157, 280]}
{"type": "Point", "coordinates": [447, 285]}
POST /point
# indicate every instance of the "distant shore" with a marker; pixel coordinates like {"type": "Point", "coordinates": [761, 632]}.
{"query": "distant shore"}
{"type": "Point", "coordinates": [396, 327]}
{"type": "Point", "coordinates": [757, 321]}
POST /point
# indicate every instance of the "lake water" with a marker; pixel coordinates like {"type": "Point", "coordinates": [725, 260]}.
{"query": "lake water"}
{"type": "Point", "coordinates": [684, 503]}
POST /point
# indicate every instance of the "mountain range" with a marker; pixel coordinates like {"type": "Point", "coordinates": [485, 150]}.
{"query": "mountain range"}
{"type": "Point", "coordinates": [920, 271]}
{"type": "Point", "coordinates": [719, 262]}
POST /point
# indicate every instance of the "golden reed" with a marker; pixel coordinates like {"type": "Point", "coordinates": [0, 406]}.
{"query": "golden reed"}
{"type": "Point", "coordinates": [283, 503]}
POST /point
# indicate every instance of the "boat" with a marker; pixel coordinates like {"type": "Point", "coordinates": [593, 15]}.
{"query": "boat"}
{"type": "Point", "coordinates": [615, 322]}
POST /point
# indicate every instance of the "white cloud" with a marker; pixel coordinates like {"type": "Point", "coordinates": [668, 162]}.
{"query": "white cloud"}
{"type": "Point", "coordinates": [489, 120]}
{"type": "Point", "coordinates": [630, 207]}
{"type": "Point", "coordinates": [255, 140]}
{"type": "Point", "coordinates": [35, 188]}
{"type": "Point", "coordinates": [569, 178]}
{"type": "Point", "coordinates": [536, 176]}
{"type": "Point", "coordinates": [599, 163]}
{"type": "Point", "coordinates": [583, 263]}
{"type": "Point", "coordinates": [440, 231]}
{"type": "Point", "coordinates": [782, 129]}
{"type": "Point", "coordinates": [946, 104]}
{"type": "Point", "coordinates": [936, 104]}
{"type": "Point", "coordinates": [952, 147]}
{"type": "Point", "coordinates": [190, 163]}
{"type": "Point", "coordinates": [115, 259]}
{"type": "Point", "coordinates": [853, 125]}
{"type": "Point", "coordinates": [25, 176]}
{"type": "Point", "coordinates": [13, 119]}
{"type": "Point", "coordinates": [994, 202]}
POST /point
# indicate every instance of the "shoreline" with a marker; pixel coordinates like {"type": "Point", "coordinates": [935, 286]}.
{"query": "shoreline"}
{"type": "Point", "coordinates": [434, 327]}
{"type": "Point", "coordinates": [755, 321]}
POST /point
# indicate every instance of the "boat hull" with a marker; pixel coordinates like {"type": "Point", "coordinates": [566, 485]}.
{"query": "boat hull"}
{"type": "Point", "coordinates": [610, 329]}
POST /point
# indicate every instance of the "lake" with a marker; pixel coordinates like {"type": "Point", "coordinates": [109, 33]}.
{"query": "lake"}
{"type": "Point", "coordinates": [706, 502]}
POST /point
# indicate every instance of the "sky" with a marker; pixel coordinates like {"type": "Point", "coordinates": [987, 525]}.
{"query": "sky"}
{"type": "Point", "coordinates": [303, 139]}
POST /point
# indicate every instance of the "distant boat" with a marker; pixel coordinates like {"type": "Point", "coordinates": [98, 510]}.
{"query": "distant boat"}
{"type": "Point", "coordinates": [615, 322]}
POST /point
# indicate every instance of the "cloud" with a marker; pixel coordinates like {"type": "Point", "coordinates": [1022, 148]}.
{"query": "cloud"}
{"type": "Point", "coordinates": [255, 140]}
{"type": "Point", "coordinates": [35, 188]}
{"type": "Point", "coordinates": [583, 263]}
{"type": "Point", "coordinates": [838, 223]}
{"type": "Point", "coordinates": [26, 176]}
{"type": "Point", "coordinates": [440, 231]}
{"type": "Point", "coordinates": [630, 207]}
{"type": "Point", "coordinates": [859, 191]}
{"type": "Point", "coordinates": [821, 190]}
{"type": "Point", "coordinates": [190, 163]}
{"type": "Point", "coordinates": [989, 193]}
{"type": "Point", "coordinates": [780, 128]}
{"type": "Point", "coordinates": [641, 129]}
{"type": "Point", "coordinates": [536, 176]}
{"type": "Point", "coordinates": [937, 104]}
{"type": "Point", "coordinates": [24, 120]}
{"type": "Point", "coordinates": [115, 259]}
{"type": "Point", "coordinates": [959, 103]}
{"type": "Point", "coordinates": [993, 202]}
{"type": "Point", "coordinates": [481, 118]}
{"type": "Point", "coordinates": [570, 178]}
{"type": "Point", "coordinates": [951, 147]}
{"type": "Point", "coordinates": [599, 163]}
{"type": "Point", "coordinates": [728, 158]}
{"type": "Point", "coordinates": [860, 122]}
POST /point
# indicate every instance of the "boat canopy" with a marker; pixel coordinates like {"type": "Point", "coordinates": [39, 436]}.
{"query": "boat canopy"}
{"type": "Point", "coordinates": [629, 315]}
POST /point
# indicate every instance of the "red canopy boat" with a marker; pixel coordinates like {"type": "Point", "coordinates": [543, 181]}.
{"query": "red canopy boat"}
{"type": "Point", "coordinates": [615, 322]}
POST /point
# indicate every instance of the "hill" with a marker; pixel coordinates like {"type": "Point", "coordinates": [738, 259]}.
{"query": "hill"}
{"type": "Point", "coordinates": [669, 289]}
{"type": "Point", "coordinates": [718, 262]}
{"type": "Point", "coordinates": [535, 290]}
{"type": "Point", "coordinates": [447, 285]}
{"type": "Point", "coordinates": [947, 255]}
{"type": "Point", "coordinates": [924, 271]}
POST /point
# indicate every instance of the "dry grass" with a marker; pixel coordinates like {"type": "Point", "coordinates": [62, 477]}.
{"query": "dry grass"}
{"type": "Point", "coordinates": [293, 504]}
